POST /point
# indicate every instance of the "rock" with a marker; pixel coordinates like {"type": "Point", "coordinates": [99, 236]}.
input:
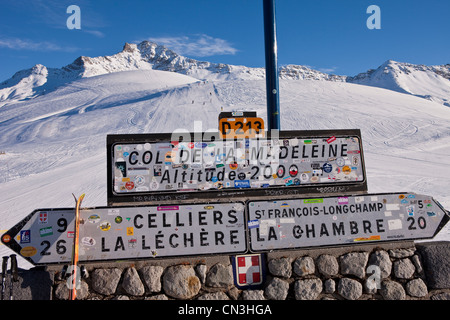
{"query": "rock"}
{"type": "Point", "coordinates": [404, 269]}
{"type": "Point", "coordinates": [83, 291]}
{"type": "Point", "coordinates": [354, 263]}
{"type": "Point", "coordinates": [214, 296]}
{"type": "Point", "coordinates": [132, 284]}
{"type": "Point", "coordinates": [280, 267]}
{"type": "Point", "coordinates": [391, 290]}
{"type": "Point", "coordinates": [436, 263]}
{"type": "Point", "coordinates": [330, 286]}
{"type": "Point", "coordinates": [220, 276]}
{"type": "Point", "coordinates": [152, 277]}
{"type": "Point", "coordinates": [417, 288]}
{"type": "Point", "coordinates": [121, 297]}
{"type": "Point", "coordinates": [253, 295]}
{"type": "Point", "coordinates": [304, 266]}
{"type": "Point", "coordinates": [441, 296]}
{"type": "Point", "coordinates": [180, 282]}
{"type": "Point", "coordinates": [105, 281]}
{"type": "Point", "coordinates": [327, 265]}
{"type": "Point", "coordinates": [276, 289]}
{"type": "Point", "coordinates": [349, 289]}
{"type": "Point", "coordinates": [381, 259]}
{"type": "Point", "coordinates": [402, 253]}
{"type": "Point", "coordinates": [307, 289]}
{"type": "Point", "coordinates": [201, 272]}
{"type": "Point", "coordinates": [157, 297]}
{"type": "Point", "coordinates": [62, 291]}
{"type": "Point", "coordinates": [234, 293]}
{"type": "Point", "coordinates": [418, 264]}
{"type": "Point", "coordinates": [371, 285]}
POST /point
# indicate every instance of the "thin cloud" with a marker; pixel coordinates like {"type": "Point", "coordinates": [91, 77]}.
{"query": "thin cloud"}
{"type": "Point", "coordinates": [27, 44]}
{"type": "Point", "coordinates": [200, 45]}
{"type": "Point", "coordinates": [96, 33]}
{"type": "Point", "coordinates": [328, 70]}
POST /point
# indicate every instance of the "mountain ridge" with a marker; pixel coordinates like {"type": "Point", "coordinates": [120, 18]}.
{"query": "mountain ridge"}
{"type": "Point", "coordinates": [429, 82]}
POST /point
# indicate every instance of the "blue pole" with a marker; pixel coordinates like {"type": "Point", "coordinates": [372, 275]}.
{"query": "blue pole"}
{"type": "Point", "coordinates": [270, 40]}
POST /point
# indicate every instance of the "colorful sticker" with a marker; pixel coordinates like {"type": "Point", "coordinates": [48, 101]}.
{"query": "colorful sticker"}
{"type": "Point", "coordinates": [25, 236]}
{"type": "Point", "coordinates": [28, 251]}
{"type": "Point", "coordinates": [44, 232]}
{"type": "Point", "coordinates": [105, 226]}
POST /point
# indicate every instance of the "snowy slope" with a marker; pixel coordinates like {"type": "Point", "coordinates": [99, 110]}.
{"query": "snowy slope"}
{"type": "Point", "coordinates": [54, 144]}
{"type": "Point", "coordinates": [429, 82]}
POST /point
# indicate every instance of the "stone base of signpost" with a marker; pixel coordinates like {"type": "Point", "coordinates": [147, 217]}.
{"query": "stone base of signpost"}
{"type": "Point", "coordinates": [393, 271]}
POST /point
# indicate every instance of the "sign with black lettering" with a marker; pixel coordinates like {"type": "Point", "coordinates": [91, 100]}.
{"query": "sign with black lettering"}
{"type": "Point", "coordinates": [299, 223]}
{"type": "Point", "coordinates": [240, 125]}
{"type": "Point", "coordinates": [148, 167]}
{"type": "Point", "coordinates": [46, 236]}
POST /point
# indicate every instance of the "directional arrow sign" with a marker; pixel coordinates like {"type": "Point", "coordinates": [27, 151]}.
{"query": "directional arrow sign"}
{"type": "Point", "coordinates": [46, 235]}
{"type": "Point", "coordinates": [331, 221]}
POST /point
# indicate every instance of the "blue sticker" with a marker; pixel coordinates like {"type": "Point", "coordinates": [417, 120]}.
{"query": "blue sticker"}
{"type": "Point", "coordinates": [253, 224]}
{"type": "Point", "coordinates": [242, 184]}
{"type": "Point", "coordinates": [327, 167]}
{"type": "Point", "coordinates": [25, 236]}
{"type": "Point", "coordinates": [410, 210]}
{"type": "Point", "coordinates": [288, 181]}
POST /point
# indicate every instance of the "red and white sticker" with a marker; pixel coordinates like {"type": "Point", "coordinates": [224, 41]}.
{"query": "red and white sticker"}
{"type": "Point", "coordinates": [330, 140]}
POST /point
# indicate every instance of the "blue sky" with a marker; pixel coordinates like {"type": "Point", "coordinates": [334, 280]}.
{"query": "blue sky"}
{"type": "Point", "coordinates": [327, 35]}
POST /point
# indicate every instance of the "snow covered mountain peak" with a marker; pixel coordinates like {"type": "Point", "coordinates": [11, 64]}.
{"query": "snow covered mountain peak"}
{"type": "Point", "coordinates": [429, 82]}
{"type": "Point", "coordinates": [149, 55]}
{"type": "Point", "coordinates": [21, 85]}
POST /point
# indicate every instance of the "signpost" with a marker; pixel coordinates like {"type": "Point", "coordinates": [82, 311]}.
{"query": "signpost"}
{"type": "Point", "coordinates": [120, 233]}
{"type": "Point", "coordinates": [344, 220]}
{"type": "Point", "coordinates": [155, 167]}
{"type": "Point", "coordinates": [292, 189]}
{"type": "Point", "coordinates": [45, 236]}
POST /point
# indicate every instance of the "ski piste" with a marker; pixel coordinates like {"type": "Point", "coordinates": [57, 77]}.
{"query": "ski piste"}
{"type": "Point", "coordinates": [75, 251]}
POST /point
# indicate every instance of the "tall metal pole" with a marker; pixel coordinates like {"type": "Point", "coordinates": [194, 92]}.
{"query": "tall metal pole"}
{"type": "Point", "coordinates": [270, 40]}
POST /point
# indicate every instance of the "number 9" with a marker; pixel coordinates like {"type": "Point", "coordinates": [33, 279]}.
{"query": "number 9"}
{"type": "Point", "coordinates": [62, 222]}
